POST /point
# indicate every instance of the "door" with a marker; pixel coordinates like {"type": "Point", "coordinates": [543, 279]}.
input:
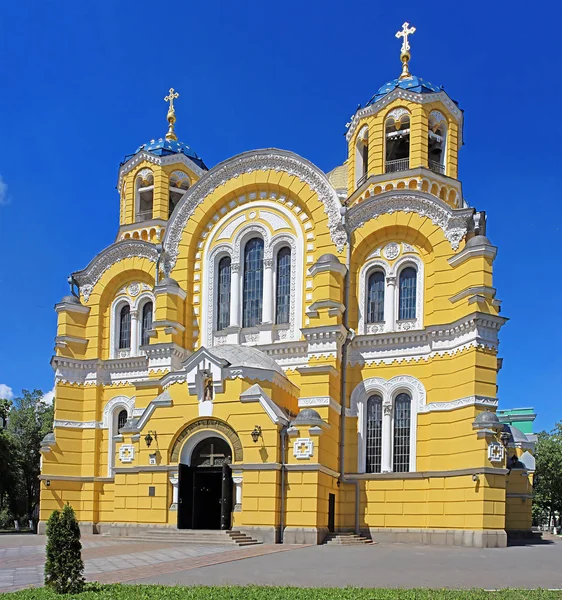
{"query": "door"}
{"type": "Point", "coordinates": [185, 497]}
{"type": "Point", "coordinates": [226, 500]}
{"type": "Point", "coordinates": [331, 512]}
{"type": "Point", "coordinates": [207, 498]}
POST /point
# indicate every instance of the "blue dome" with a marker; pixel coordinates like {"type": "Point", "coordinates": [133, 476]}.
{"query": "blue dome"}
{"type": "Point", "coordinates": [412, 84]}
{"type": "Point", "coordinates": [164, 147]}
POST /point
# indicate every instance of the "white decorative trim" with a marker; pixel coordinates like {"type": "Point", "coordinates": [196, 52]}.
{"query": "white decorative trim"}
{"type": "Point", "coordinates": [479, 290]}
{"type": "Point", "coordinates": [127, 453]}
{"type": "Point", "coordinates": [309, 402]}
{"type": "Point", "coordinates": [248, 162]}
{"type": "Point", "coordinates": [227, 231]}
{"type": "Point", "coordinates": [496, 452]}
{"type": "Point", "coordinates": [453, 222]}
{"type": "Point", "coordinates": [76, 424]}
{"type": "Point", "coordinates": [256, 393]}
{"type": "Point", "coordinates": [397, 113]}
{"type": "Point", "coordinates": [485, 250]}
{"type": "Point", "coordinates": [112, 405]}
{"type": "Point", "coordinates": [483, 401]}
{"type": "Point", "coordinates": [303, 448]}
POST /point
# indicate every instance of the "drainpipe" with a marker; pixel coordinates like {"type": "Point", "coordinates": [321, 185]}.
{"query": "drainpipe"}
{"type": "Point", "coordinates": [343, 379]}
{"type": "Point", "coordinates": [283, 434]}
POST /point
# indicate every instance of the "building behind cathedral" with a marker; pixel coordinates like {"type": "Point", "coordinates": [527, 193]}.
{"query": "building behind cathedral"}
{"type": "Point", "coordinates": [274, 350]}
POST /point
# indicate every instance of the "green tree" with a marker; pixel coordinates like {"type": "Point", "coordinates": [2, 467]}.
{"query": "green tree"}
{"type": "Point", "coordinates": [548, 475]}
{"type": "Point", "coordinates": [64, 566]}
{"type": "Point", "coordinates": [7, 456]}
{"type": "Point", "coordinates": [29, 421]}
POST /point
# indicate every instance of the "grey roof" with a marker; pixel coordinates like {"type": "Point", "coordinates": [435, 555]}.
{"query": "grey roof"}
{"type": "Point", "coordinates": [245, 356]}
{"type": "Point", "coordinates": [306, 415]}
{"type": "Point", "coordinates": [517, 435]}
{"type": "Point", "coordinates": [486, 419]}
{"type": "Point", "coordinates": [169, 281]}
{"type": "Point", "coordinates": [49, 438]}
{"type": "Point", "coordinates": [328, 258]}
{"type": "Point", "coordinates": [528, 460]}
{"type": "Point", "coordinates": [70, 300]}
{"type": "Point", "coordinates": [478, 240]}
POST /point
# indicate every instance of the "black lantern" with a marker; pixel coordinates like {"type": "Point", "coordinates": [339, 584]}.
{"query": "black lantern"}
{"type": "Point", "coordinates": [256, 433]}
{"type": "Point", "coordinates": [148, 438]}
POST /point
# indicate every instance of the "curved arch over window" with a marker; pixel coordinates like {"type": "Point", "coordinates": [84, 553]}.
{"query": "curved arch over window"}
{"type": "Point", "coordinates": [211, 452]}
{"type": "Point", "coordinates": [374, 434]}
{"type": "Point", "coordinates": [252, 292]}
{"type": "Point", "coordinates": [179, 184]}
{"type": "Point", "coordinates": [283, 287]}
{"type": "Point", "coordinates": [125, 328]}
{"type": "Point", "coordinates": [397, 139]}
{"type": "Point", "coordinates": [407, 294]}
{"type": "Point", "coordinates": [121, 419]}
{"type": "Point", "coordinates": [436, 142]}
{"type": "Point", "coordinates": [223, 293]}
{"type": "Point", "coordinates": [144, 195]}
{"type": "Point", "coordinates": [402, 418]}
{"type": "Point", "coordinates": [375, 297]}
{"type": "Point", "coordinates": [146, 324]}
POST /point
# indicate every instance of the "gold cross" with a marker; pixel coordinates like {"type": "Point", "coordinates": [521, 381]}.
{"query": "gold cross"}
{"type": "Point", "coordinates": [171, 97]}
{"type": "Point", "coordinates": [404, 33]}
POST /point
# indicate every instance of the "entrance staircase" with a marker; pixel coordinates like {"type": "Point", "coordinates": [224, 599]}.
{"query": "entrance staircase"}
{"type": "Point", "coordinates": [346, 539]}
{"type": "Point", "coordinates": [194, 536]}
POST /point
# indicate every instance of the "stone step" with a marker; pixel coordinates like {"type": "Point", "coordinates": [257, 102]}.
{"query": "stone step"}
{"type": "Point", "coordinates": [346, 539]}
{"type": "Point", "coordinates": [192, 536]}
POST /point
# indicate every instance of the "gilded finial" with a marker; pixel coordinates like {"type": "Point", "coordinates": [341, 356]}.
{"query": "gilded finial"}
{"type": "Point", "coordinates": [171, 135]}
{"type": "Point", "coordinates": [405, 50]}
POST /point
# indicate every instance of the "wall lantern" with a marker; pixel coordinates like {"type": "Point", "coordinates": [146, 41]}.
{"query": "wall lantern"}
{"type": "Point", "coordinates": [256, 433]}
{"type": "Point", "coordinates": [148, 438]}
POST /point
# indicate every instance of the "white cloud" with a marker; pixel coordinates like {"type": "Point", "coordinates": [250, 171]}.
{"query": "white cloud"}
{"type": "Point", "coordinates": [3, 195]}
{"type": "Point", "coordinates": [6, 392]}
{"type": "Point", "coordinates": [49, 397]}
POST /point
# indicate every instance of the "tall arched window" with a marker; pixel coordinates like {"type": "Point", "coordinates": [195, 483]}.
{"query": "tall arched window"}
{"type": "Point", "coordinates": [121, 419]}
{"type": "Point", "coordinates": [407, 294]}
{"type": "Point", "coordinates": [125, 328]}
{"type": "Point", "coordinates": [223, 296]}
{"type": "Point", "coordinates": [402, 416]}
{"type": "Point", "coordinates": [374, 434]}
{"type": "Point", "coordinates": [362, 156]}
{"type": "Point", "coordinates": [437, 137]}
{"type": "Point", "coordinates": [146, 325]}
{"type": "Point", "coordinates": [179, 184]}
{"type": "Point", "coordinates": [375, 297]}
{"type": "Point", "coordinates": [283, 288]}
{"type": "Point", "coordinates": [144, 195]}
{"type": "Point", "coordinates": [252, 294]}
{"type": "Point", "coordinates": [397, 138]}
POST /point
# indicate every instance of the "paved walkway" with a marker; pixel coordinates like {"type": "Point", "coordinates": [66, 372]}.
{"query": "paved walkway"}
{"type": "Point", "coordinates": [382, 565]}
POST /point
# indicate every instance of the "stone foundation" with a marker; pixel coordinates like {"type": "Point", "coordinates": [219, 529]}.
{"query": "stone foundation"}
{"type": "Point", "coordinates": [304, 535]}
{"type": "Point", "coordinates": [479, 538]}
{"type": "Point", "coordinates": [267, 535]}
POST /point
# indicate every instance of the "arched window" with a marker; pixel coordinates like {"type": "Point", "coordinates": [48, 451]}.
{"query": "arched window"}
{"type": "Point", "coordinates": [407, 294]}
{"type": "Point", "coordinates": [121, 419]}
{"type": "Point", "coordinates": [397, 137]}
{"type": "Point", "coordinates": [223, 296]}
{"type": "Point", "coordinates": [211, 452]}
{"type": "Point", "coordinates": [402, 417]}
{"type": "Point", "coordinates": [283, 288]}
{"type": "Point", "coordinates": [147, 310]}
{"type": "Point", "coordinates": [375, 297]}
{"type": "Point", "coordinates": [252, 294]}
{"type": "Point", "coordinates": [437, 137]}
{"type": "Point", "coordinates": [144, 195]}
{"type": "Point", "coordinates": [362, 156]}
{"type": "Point", "coordinates": [179, 184]}
{"type": "Point", "coordinates": [125, 328]}
{"type": "Point", "coordinates": [374, 434]}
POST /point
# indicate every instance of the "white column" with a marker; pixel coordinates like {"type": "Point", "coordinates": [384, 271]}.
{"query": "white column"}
{"type": "Point", "coordinates": [175, 492]}
{"type": "Point", "coordinates": [235, 320]}
{"type": "Point", "coordinates": [267, 315]}
{"type": "Point", "coordinates": [237, 492]}
{"type": "Point", "coordinates": [386, 454]}
{"type": "Point", "coordinates": [389, 304]}
{"type": "Point", "coordinates": [135, 333]}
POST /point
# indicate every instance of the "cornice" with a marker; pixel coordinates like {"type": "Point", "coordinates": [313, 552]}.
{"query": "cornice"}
{"type": "Point", "coordinates": [480, 290]}
{"type": "Point", "coordinates": [71, 307]}
{"type": "Point", "coordinates": [454, 222]}
{"type": "Point", "coordinates": [485, 250]}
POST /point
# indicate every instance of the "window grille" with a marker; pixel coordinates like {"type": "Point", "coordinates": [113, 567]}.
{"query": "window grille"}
{"type": "Point", "coordinates": [252, 295]}
{"type": "Point", "coordinates": [375, 297]}
{"type": "Point", "coordinates": [223, 298]}
{"type": "Point", "coordinates": [121, 419]}
{"type": "Point", "coordinates": [407, 303]}
{"type": "Point", "coordinates": [374, 434]}
{"type": "Point", "coordinates": [125, 327]}
{"type": "Point", "coordinates": [402, 412]}
{"type": "Point", "coordinates": [283, 288]}
{"type": "Point", "coordinates": [146, 323]}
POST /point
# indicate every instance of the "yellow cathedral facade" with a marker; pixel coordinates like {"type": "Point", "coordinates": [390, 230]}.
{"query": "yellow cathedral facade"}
{"type": "Point", "coordinates": [288, 355]}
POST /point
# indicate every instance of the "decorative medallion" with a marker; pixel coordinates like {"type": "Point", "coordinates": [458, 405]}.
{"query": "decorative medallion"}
{"type": "Point", "coordinates": [391, 251]}
{"type": "Point", "coordinates": [496, 452]}
{"type": "Point", "coordinates": [134, 289]}
{"type": "Point", "coordinates": [303, 448]}
{"type": "Point", "coordinates": [127, 453]}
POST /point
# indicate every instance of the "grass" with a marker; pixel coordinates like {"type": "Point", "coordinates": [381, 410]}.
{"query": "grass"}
{"type": "Point", "coordinates": [157, 592]}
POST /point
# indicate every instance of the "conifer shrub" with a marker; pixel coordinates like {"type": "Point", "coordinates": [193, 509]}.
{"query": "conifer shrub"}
{"type": "Point", "coordinates": [64, 567]}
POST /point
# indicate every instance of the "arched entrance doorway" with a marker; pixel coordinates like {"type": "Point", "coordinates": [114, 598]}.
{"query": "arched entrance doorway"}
{"type": "Point", "coordinates": [205, 486]}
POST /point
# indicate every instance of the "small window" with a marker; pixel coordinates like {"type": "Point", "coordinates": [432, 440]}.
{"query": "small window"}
{"type": "Point", "coordinates": [407, 293]}
{"type": "Point", "coordinates": [402, 416]}
{"type": "Point", "coordinates": [375, 297]}
{"type": "Point", "coordinates": [397, 138]}
{"type": "Point", "coordinates": [437, 137]}
{"type": "Point", "coordinates": [125, 328]}
{"type": "Point", "coordinates": [179, 184]}
{"type": "Point", "coordinates": [374, 434]}
{"type": "Point", "coordinates": [121, 419]}
{"type": "Point", "coordinates": [223, 296]}
{"type": "Point", "coordinates": [252, 294]}
{"type": "Point", "coordinates": [145, 195]}
{"type": "Point", "coordinates": [283, 288]}
{"type": "Point", "coordinates": [147, 310]}
{"type": "Point", "coordinates": [362, 156]}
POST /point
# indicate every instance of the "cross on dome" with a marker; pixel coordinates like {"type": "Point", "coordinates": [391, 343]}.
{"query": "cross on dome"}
{"type": "Point", "coordinates": [172, 95]}
{"type": "Point", "coordinates": [405, 50]}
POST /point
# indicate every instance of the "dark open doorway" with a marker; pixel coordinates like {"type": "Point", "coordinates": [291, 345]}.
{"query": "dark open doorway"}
{"type": "Point", "coordinates": [331, 512]}
{"type": "Point", "coordinates": [205, 487]}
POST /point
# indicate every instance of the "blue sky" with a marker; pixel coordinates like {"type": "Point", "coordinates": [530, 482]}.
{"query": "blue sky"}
{"type": "Point", "coordinates": [82, 86]}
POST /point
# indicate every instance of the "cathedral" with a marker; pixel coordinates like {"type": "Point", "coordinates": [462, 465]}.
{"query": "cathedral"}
{"type": "Point", "coordinates": [290, 354]}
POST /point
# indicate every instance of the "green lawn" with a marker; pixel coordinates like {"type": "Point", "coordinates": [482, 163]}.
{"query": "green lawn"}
{"type": "Point", "coordinates": [156, 592]}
